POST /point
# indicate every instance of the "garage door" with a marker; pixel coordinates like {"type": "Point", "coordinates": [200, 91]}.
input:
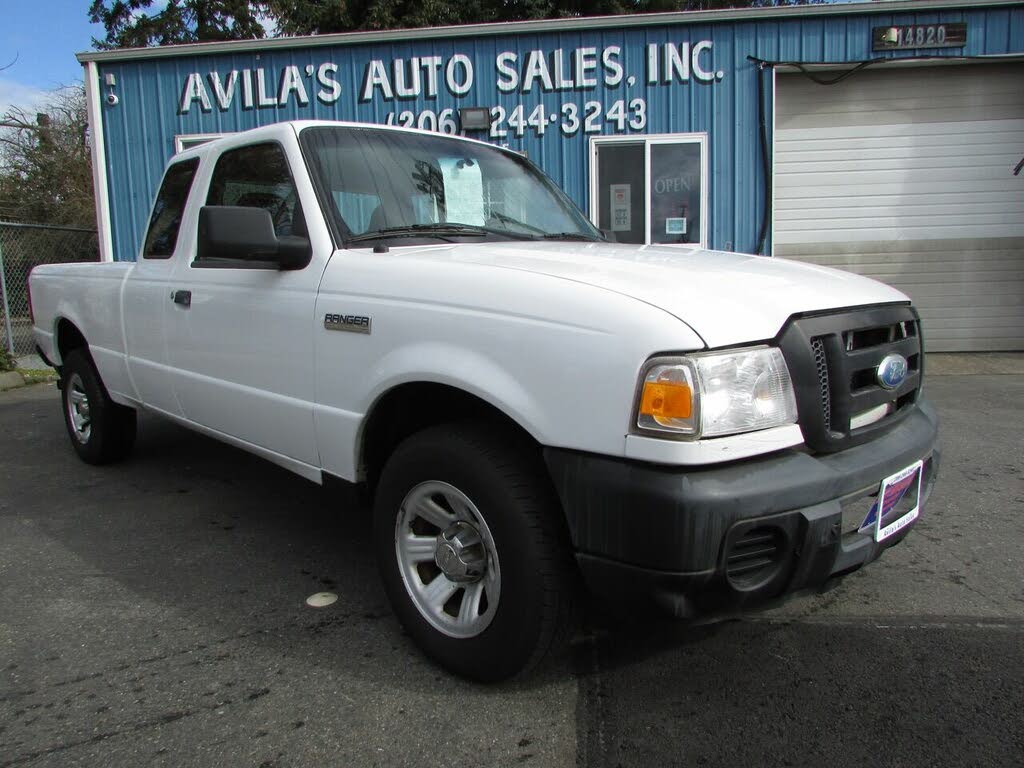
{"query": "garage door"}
{"type": "Point", "coordinates": [907, 175]}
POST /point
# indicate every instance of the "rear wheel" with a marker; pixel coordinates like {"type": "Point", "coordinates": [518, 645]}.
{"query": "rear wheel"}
{"type": "Point", "coordinates": [101, 431]}
{"type": "Point", "coordinates": [472, 550]}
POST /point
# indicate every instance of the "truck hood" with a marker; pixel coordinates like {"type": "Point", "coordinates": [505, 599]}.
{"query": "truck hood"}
{"type": "Point", "coordinates": [726, 298]}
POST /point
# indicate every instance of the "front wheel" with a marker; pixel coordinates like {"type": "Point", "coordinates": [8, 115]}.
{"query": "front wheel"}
{"type": "Point", "coordinates": [473, 552]}
{"type": "Point", "coordinates": [101, 431]}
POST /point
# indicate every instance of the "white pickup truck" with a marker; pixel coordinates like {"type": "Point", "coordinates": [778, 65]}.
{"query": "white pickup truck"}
{"type": "Point", "coordinates": [526, 402]}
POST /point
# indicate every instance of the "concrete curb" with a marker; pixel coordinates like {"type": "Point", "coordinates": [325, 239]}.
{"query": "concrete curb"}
{"type": "Point", "coordinates": [10, 380]}
{"type": "Point", "coordinates": [973, 363]}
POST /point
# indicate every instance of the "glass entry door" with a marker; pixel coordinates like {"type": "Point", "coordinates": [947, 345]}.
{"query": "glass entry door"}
{"type": "Point", "coordinates": [622, 192]}
{"type": "Point", "coordinates": [675, 182]}
{"type": "Point", "coordinates": [651, 189]}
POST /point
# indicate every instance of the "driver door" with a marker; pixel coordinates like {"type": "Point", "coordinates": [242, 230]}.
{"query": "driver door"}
{"type": "Point", "coordinates": [241, 338]}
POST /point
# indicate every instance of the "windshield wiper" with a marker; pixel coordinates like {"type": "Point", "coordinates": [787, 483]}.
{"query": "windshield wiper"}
{"type": "Point", "coordinates": [515, 222]}
{"type": "Point", "coordinates": [540, 233]}
{"type": "Point", "coordinates": [567, 236]}
{"type": "Point", "coordinates": [419, 230]}
{"type": "Point", "coordinates": [455, 229]}
{"type": "Point", "coordinates": [440, 229]}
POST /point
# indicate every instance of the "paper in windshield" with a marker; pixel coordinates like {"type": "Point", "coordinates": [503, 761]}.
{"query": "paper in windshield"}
{"type": "Point", "coordinates": [463, 190]}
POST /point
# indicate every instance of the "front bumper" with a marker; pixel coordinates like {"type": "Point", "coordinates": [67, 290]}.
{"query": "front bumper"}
{"type": "Point", "coordinates": [646, 533]}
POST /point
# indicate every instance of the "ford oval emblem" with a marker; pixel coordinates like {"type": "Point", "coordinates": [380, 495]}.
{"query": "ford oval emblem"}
{"type": "Point", "coordinates": [892, 371]}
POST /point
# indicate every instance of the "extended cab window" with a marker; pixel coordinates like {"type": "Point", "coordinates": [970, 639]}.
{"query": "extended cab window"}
{"type": "Point", "coordinates": [258, 177]}
{"type": "Point", "coordinates": [170, 203]}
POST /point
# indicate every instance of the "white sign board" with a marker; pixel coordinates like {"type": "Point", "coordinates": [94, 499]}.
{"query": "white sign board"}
{"type": "Point", "coordinates": [621, 211]}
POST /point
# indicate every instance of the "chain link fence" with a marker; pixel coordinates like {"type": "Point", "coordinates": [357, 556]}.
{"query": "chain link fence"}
{"type": "Point", "coordinates": [22, 247]}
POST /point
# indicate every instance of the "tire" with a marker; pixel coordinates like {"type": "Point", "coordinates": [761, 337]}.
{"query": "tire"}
{"type": "Point", "coordinates": [523, 600]}
{"type": "Point", "coordinates": [100, 430]}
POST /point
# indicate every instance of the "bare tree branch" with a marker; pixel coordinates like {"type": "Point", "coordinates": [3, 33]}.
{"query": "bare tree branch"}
{"type": "Point", "coordinates": [45, 165]}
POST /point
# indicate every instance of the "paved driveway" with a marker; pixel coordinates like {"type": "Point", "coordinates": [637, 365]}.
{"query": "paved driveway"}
{"type": "Point", "coordinates": [153, 613]}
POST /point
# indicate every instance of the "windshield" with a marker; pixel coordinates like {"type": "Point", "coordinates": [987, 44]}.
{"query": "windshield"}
{"type": "Point", "coordinates": [378, 184]}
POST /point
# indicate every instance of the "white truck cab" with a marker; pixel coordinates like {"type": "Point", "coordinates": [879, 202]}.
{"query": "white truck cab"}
{"type": "Point", "coordinates": [430, 316]}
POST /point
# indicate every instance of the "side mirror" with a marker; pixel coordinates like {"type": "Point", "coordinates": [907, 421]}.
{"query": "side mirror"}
{"type": "Point", "coordinates": [246, 236]}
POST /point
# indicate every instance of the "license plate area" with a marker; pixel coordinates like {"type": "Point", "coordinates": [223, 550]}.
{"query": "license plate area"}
{"type": "Point", "coordinates": [897, 504]}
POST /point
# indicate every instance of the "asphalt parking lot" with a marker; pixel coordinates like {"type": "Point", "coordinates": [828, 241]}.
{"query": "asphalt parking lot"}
{"type": "Point", "coordinates": [153, 613]}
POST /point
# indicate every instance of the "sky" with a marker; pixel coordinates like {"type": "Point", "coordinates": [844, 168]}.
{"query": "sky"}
{"type": "Point", "coordinates": [41, 37]}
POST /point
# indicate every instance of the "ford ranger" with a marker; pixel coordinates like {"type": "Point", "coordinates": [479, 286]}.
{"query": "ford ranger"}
{"type": "Point", "coordinates": [531, 407]}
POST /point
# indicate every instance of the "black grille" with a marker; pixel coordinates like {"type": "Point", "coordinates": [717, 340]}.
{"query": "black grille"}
{"type": "Point", "coordinates": [821, 365]}
{"type": "Point", "coordinates": [833, 359]}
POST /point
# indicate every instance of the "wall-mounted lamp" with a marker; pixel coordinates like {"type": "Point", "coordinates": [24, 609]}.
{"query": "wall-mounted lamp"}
{"type": "Point", "coordinates": [891, 36]}
{"type": "Point", "coordinates": [111, 81]}
{"type": "Point", "coordinates": [475, 118]}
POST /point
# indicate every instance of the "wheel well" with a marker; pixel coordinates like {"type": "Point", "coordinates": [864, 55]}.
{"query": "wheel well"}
{"type": "Point", "coordinates": [69, 338]}
{"type": "Point", "coordinates": [410, 408]}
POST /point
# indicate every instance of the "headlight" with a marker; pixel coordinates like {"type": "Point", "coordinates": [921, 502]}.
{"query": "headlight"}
{"type": "Point", "coordinates": [710, 395]}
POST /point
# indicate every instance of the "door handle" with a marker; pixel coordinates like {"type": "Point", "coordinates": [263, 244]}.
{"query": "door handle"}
{"type": "Point", "coordinates": [182, 297]}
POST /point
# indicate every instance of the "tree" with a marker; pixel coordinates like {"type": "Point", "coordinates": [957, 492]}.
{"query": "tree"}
{"type": "Point", "coordinates": [45, 166]}
{"type": "Point", "coordinates": [129, 25]}
{"type": "Point", "coordinates": [128, 22]}
{"type": "Point", "coordinates": [306, 17]}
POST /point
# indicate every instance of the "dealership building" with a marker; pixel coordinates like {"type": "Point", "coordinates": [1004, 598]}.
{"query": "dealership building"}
{"type": "Point", "coordinates": [886, 138]}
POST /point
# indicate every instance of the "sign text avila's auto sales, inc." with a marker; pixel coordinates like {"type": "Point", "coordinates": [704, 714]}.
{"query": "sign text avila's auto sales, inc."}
{"type": "Point", "coordinates": [527, 72]}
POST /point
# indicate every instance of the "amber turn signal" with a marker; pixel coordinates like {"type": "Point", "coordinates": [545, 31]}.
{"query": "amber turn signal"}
{"type": "Point", "coordinates": [666, 400]}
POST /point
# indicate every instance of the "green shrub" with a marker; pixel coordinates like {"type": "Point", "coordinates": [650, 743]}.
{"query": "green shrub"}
{"type": "Point", "coordinates": [7, 362]}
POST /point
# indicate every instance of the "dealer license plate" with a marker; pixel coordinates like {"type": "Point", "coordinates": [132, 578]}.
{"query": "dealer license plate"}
{"type": "Point", "coordinates": [897, 505]}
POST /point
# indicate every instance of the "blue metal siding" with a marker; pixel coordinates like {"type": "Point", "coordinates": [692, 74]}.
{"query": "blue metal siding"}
{"type": "Point", "coordinates": [139, 131]}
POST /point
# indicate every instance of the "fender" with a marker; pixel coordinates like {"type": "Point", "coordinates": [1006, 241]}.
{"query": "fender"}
{"type": "Point", "coordinates": [340, 432]}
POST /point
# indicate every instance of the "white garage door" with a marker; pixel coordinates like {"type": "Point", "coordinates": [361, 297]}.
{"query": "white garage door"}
{"type": "Point", "coordinates": [907, 175]}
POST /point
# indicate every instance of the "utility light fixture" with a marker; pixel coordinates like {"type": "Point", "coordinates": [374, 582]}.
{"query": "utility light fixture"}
{"type": "Point", "coordinates": [475, 118]}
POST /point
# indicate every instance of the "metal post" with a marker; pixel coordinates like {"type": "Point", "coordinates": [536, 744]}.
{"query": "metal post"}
{"type": "Point", "coordinates": [7, 306]}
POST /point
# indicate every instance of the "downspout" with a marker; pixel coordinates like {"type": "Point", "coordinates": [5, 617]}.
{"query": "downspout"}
{"type": "Point", "coordinates": [762, 67]}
